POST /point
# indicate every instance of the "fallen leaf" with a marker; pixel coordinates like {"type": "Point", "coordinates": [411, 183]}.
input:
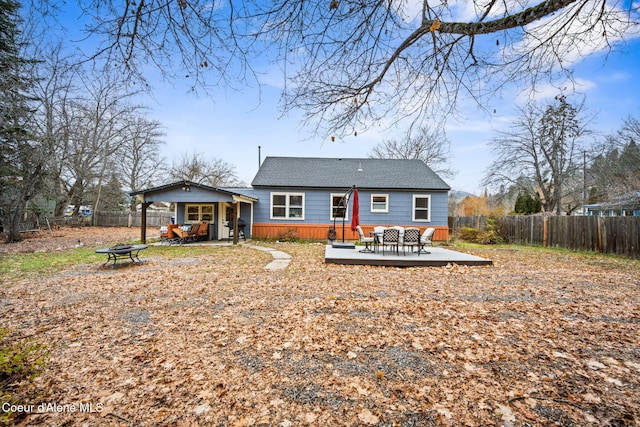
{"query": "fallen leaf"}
{"type": "Point", "coordinates": [367, 417]}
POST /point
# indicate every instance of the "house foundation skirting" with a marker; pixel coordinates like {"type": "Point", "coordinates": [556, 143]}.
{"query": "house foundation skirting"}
{"type": "Point", "coordinates": [319, 231]}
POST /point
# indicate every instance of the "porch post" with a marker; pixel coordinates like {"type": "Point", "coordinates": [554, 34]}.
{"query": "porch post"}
{"type": "Point", "coordinates": [143, 222]}
{"type": "Point", "coordinates": [235, 222]}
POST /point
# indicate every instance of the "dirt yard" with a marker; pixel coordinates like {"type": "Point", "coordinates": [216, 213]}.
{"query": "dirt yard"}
{"type": "Point", "coordinates": [208, 336]}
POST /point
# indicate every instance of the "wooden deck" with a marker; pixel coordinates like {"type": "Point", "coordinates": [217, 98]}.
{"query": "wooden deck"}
{"type": "Point", "coordinates": [437, 257]}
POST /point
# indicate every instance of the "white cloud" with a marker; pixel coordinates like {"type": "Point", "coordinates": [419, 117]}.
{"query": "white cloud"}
{"type": "Point", "coordinates": [578, 31]}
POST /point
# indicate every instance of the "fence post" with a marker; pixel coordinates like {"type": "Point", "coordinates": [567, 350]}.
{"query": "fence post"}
{"type": "Point", "coordinates": [531, 238]}
{"type": "Point", "coordinates": [600, 227]}
{"type": "Point", "coordinates": [545, 232]}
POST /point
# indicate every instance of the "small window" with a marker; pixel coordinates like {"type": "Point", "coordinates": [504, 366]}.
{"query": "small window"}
{"type": "Point", "coordinates": [379, 203]}
{"type": "Point", "coordinates": [287, 206]}
{"type": "Point", "coordinates": [198, 213]}
{"type": "Point", "coordinates": [422, 208]}
{"type": "Point", "coordinates": [339, 207]}
{"type": "Point", "coordinates": [207, 213]}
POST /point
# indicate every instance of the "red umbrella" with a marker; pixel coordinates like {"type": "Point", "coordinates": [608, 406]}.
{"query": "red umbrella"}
{"type": "Point", "coordinates": [355, 216]}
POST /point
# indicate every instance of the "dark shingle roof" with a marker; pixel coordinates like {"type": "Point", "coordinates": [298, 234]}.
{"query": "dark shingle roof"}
{"type": "Point", "coordinates": [310, 172]}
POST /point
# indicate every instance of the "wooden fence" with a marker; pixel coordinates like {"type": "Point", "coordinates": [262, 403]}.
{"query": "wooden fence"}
{"type": "Point", "coordinates": [131, 219]}
{"type": "Point", "coordinates": [610, 235]}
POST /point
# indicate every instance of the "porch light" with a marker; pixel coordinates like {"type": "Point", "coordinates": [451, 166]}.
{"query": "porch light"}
{"type": "Point", "coordinates": [186, 187]}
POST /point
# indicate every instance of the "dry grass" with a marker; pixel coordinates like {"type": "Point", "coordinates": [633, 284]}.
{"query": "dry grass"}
{"type": "Point", "coordinates": [209, 337]}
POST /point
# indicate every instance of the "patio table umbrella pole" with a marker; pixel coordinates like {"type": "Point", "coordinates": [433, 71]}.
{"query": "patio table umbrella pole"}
{"type": "Point", "coordinates": [343, 203]}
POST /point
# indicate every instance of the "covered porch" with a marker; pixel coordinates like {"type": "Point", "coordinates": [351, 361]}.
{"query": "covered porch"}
{"type": "Point", "coordinates": [194, 203]}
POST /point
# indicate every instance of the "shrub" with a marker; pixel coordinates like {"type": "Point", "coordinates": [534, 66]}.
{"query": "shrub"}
{"type": "Point", "coordinates": [489, 236]}
{"type": "Point", "coordinates": [20, 361]}
{"type": "Point", "coordinates": [291, 235]}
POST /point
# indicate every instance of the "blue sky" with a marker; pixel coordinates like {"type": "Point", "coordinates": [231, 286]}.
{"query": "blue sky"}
{"type": "Point", "coordinates": [230, 125]}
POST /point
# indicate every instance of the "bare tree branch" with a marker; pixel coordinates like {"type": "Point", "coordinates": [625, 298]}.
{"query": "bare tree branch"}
{"type": "Point", "coordinates": [352, 64]}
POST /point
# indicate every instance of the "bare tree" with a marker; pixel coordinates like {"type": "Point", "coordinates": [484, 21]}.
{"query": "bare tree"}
{"type": "Point", "coordinates": [615, 170]}
{"type": "Point", "coordinates": [55, 91]}
{"type": "Point", "coordinates": [541, 153]}
{"type": "Point", "coordinates": [98, 125]}
{"type": "Point", "coordinates": [429, 145]}
{"type": "Point", "coordinates": [353, 63]}
{"type": "Point", "coordinates": [140, 160]}
{"type": "Point", "coordinates": [197, 168]}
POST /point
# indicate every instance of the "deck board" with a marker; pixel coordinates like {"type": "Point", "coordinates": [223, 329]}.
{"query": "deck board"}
{"type": "Point", "coordinates": [437, 257]}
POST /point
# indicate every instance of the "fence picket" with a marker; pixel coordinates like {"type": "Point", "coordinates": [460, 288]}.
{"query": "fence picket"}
{"type": "Point", "coordinates": [613, 235]}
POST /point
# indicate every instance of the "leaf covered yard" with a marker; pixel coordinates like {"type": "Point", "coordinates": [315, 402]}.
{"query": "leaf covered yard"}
{"type": "Point", "coordinates": [208, 336]}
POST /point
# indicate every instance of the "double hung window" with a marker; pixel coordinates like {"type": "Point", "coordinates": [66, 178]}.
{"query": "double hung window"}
{"type": "Point", "coordinates": [421, 208]}
{"type": "Point", "coordinates": [287, 206]}
{"type": "Point", "coordinates": [339, 207]}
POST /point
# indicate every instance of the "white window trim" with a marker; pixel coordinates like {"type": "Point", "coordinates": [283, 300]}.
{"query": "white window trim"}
{"type": "Point", "coordinates": [346, 208]}
{"type": "Point", "coordinates": [386, 209]}
{"type": "Point", "coordinates": [413, 209]}
{"type": "Point", "coordinates": [287, 196]}
{"type": "Point", "coordinates": [200, 206]}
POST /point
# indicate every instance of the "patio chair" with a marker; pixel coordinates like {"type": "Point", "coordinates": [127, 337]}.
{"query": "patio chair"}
{"type": "Point", "coordinates": [390, 237]}
{"type": "Point", "coordinates": [366, 240]}
{"type": "Point", "coordinates": [186, 233]}
{"type": "Point", "coordinates": [203, 231]}
{"type": "Point", "coordinates": [411, 238]}
{"type": "Point", "coordinates": [425, 239]}
{"type": "Point", "coordinates": [164, 234]}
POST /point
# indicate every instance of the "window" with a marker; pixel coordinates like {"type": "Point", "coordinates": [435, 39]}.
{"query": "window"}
{"type": "Point", "coordinates": [422, 208]}
{"type": "Point", "coordinates": [287, 206]}
{"type": "Point", "coordinates": [379, 203]}
{"type": "Point", "coordinates": [339, 207]}
{"type": "Point", "coordinates": [198, 213]}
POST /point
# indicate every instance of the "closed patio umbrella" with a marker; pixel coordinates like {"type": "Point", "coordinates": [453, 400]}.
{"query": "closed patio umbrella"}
{"type": "Point", "coordinates": [355, 215]}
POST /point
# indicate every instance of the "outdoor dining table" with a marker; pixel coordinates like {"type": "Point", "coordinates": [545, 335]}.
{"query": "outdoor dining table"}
{"type": "Point", "coordinates": [122, 251]}
{"type": "Point", "coordinates": [377, 239]}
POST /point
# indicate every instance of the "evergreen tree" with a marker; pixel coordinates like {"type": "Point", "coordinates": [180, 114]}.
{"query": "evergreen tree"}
{"type": "Point", "coordinates": [22, 165]}
{"type": "Point", "coordinates": [525, 204]}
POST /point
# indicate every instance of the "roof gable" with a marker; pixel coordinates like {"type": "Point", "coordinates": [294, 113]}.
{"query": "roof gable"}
{"type": "Point", "coordinates": [310, 172]}
{"type": "Point", "coordinates": [186, 188]}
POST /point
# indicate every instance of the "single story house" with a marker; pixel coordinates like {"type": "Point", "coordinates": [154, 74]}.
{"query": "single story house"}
{"type": "Point", "coordinates": [625, 205]}
{"type": "Point", "coordinates": [304, 197]}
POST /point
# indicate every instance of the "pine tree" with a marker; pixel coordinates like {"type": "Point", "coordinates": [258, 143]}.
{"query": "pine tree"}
{"type": "Point", "coordinates": [21, 164]}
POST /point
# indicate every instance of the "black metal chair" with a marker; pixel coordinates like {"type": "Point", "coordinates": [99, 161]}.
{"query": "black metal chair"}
{"type": "Point", "coordinates": [390, 237]}
{"type": "Point", "coordinates": [412, 239]}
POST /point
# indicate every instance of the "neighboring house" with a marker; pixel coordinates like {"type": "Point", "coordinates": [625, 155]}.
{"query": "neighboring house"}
{"type": "Point", "coordinates": [625, 205]}
{"type": "Point", "coordinates": [301, 195]}
{"type": "Point", "coordinates": [295, 196]}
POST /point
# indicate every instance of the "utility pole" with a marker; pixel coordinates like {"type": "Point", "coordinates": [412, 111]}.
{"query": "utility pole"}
{"type": "Point", "coordinates": [584, 182]}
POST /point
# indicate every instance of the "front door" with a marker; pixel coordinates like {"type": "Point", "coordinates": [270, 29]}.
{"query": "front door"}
{"type": "Point", "coordinates": [225, 213]}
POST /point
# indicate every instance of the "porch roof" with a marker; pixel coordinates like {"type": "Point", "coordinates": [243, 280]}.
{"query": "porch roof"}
{"type": "Point", "coordinates": [189, 191]}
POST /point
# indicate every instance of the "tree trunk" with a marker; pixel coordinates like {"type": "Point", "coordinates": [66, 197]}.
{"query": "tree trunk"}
{"type": "Point", "coordinates": [11, 224]}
